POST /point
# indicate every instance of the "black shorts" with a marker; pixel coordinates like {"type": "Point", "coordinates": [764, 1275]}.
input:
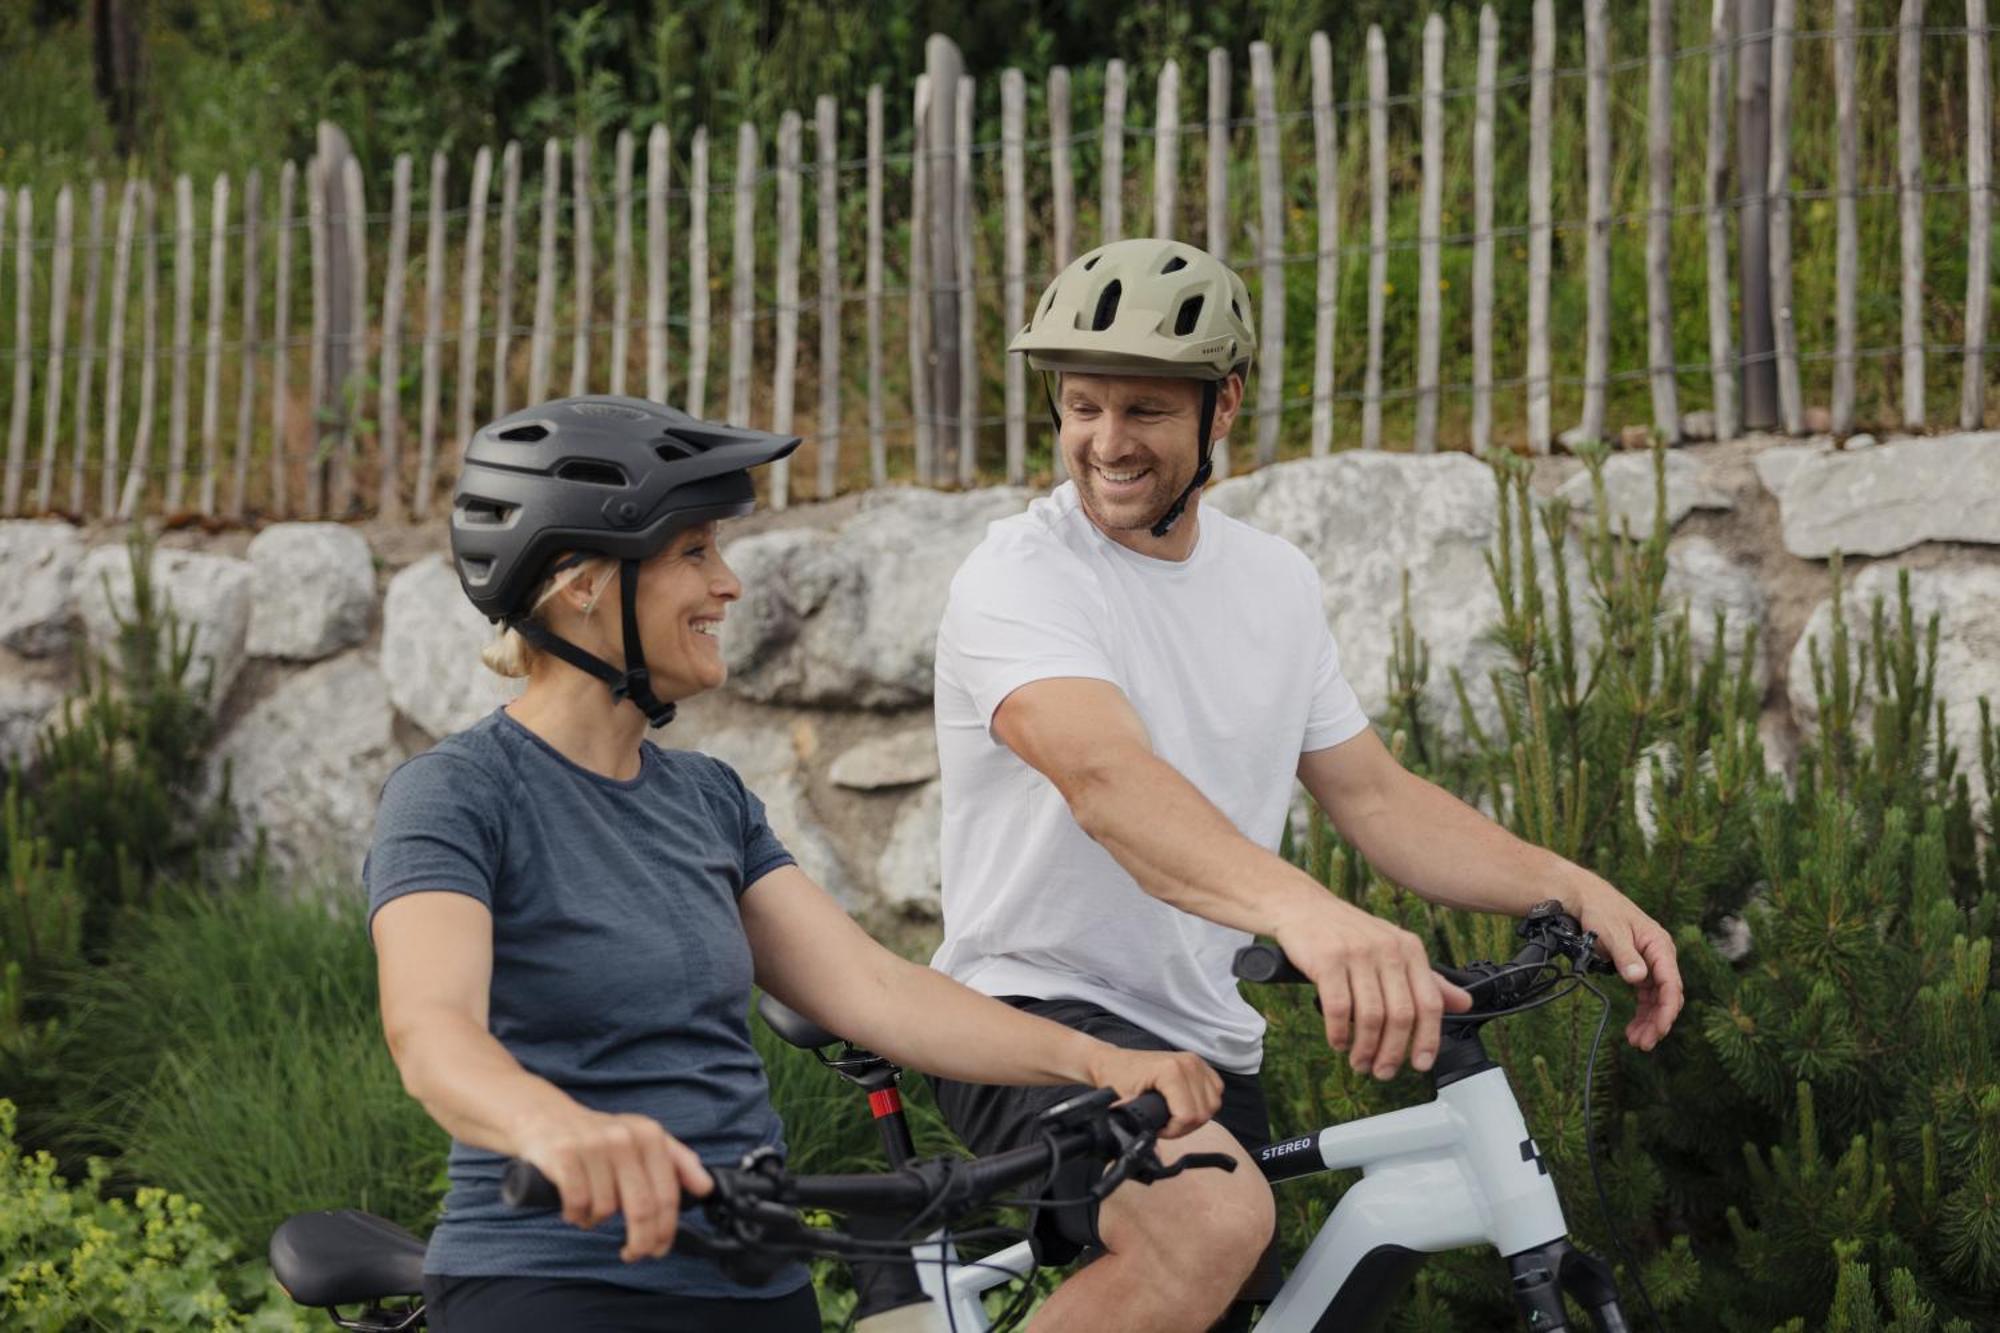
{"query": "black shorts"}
{"type": "Point", "coordinates": [537, 1304]}
{"type": "Point", "coordinates": [989, 1119]}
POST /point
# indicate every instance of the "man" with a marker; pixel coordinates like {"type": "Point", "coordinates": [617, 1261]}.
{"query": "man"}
{"type": "Point", "coordinates": [1126, 689]}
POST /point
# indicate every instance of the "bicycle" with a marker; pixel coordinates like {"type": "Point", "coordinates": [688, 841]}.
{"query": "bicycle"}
{"type": "Point", "coordinates": [1457, 1171]}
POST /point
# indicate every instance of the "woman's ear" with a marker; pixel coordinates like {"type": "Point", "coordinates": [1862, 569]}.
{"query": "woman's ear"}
{"type": "Point", "coordinates": [591, 584]}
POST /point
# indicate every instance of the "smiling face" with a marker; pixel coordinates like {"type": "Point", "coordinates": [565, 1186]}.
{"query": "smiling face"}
{"type": "Point", "coordinates": [1131, 444]}
{"type": "Point", "coordinates": [684, 593]}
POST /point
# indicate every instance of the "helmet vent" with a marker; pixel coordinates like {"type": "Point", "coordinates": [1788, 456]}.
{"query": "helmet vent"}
{"type": "Point", "coordinates": [673, 451]}
{"type": "Point", "coordinates": [1091, 262]}
{"type": "Point", "coordinates": [1107, 306]}
{"type": "Point", "coordinates": [616, 411]}
{"type": "Point", "coordinates": [484, 513]}
{"type": "Point", "coordinates": [529, 433]}
{"type": "Point", "coordinates": [1174, 265]}
{"type": "Point", "coordinates": [1234, 308]}
{"type": "Point", "coordinates": [1190, 312]}
{"type": "Point", "coordinates": [591, 472]}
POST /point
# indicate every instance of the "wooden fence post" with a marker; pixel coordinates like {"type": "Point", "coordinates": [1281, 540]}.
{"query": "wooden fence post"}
{"type": "Point", "coordinates": [1597, 264]}
{"type": "Point", "coordinates": [1847, 263]}
{"type": "Point", "coordinates": [24, 290]}
{"type": "Point", "coordinates": [471, 297]}
{"type": "Point", "coordinates": [1488, 71]}
{"type": "Point", "coordinates": [621, 258]}
{"type": "Point", "coordinates": [1751, 48]}
{"type": "Point", "coordinates": [149, 351]}
{"type": "Point", "coordinates": [1715, 193]}
{"type": "Point", "coordinates": [1111, 157]}
{"type": "Point", "coordinates": [503, 315]}
{"type": "Point", "coordinates": [177, 408]}
{"type": "Point", "coordinates": [1910, 200]}
{"type": "Point", "coordinates": [784, 370]}
{"type": "Point", "coordinates": [585, 290]}
{"type": "Point", "coordinates": [6, 202]}
{"type": "Point", "coordinates": [1271, 248]}
{"type": "Point", "coordinates": [389, 403]}
{"type": "Point", "coordinates": [659, 150]}
{"type": "Point", "coordinates": [1660, 220]}
{"type": "Point", "coordinates": [1430, 211]}
{"type": "Point", "coordinates": [541, 345]}
{"type": "Point", "coordinates": [1218, 153]}
{"type": "Point", "coordinates": [52, 381]}
{"type": "Point", "coordinates": [357, 259]}
{"type": "Point", "coordinates": [921, 423]}
{"type": "Point", "coordinates": [1541, 87]}
{"type": "Point", "coordinates": [878, 443]}
{"type": "Point", "coordinates": [1791, 401]}
{"type": "Point", "coordinates": [1378, 233]}
{"type": "Point", "coordinates": [946, 66]}
{"type": "Point", "coordinates": [1014, 296]}
{"type": "Point", "coordinates": [742, 303]}
{"type": "Point", "coordinates": [211, 376]}
{"type": "Point", "coordinates": [86, 351]}
{"type": "Point", "coordinates": [1062, 181]}
{"type": "Point", "coordinates": [246, 379]}
{"type": "Point", "coordinates": [1166, 149]}
{"type": "Point", "coordinates": [826, 139]}
{"type": "Point", "coordinates": [699, 317]}
{"type": "Point", "coordinates": [433, 355]}
{"type": "Point", "coordinates": [281, 352]}
{"type": "Point", "coordinates": [968, 306]}
{"type": "Point", "coordinates": [114, 358]}
{"type": "Point", "coordinates": [1979, 212]}
{"type": "Point", "coordinates": [1326, 192]}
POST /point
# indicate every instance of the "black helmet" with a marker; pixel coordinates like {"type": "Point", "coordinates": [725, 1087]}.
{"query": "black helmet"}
{"type": "Point", "coordinates": [605, 475]}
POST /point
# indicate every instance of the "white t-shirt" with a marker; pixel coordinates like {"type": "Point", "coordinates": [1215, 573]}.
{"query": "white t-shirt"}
{"type": "Point", "coordinates": [1226, 657]}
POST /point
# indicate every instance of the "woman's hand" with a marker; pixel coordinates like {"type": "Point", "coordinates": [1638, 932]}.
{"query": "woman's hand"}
{"type": "Point", "coordinates": [1192, 1089]}
{"type": "Point", "coordinates": [610, 1164]}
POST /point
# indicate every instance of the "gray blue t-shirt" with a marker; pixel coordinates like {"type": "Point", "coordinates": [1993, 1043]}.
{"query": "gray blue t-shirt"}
{"type": "Point", "coordinates": [620, 969]}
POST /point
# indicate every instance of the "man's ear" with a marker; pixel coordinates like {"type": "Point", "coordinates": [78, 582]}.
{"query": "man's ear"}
{"type": "Point", "coordinates": [1228, 402]}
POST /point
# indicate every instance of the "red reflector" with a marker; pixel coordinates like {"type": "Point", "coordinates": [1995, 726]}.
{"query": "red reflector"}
{"type": "Point", "coordinates": [886, 1102]}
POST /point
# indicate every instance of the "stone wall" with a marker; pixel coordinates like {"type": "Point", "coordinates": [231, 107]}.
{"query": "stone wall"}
{"type": "Point", "coordinates": [337, 651]}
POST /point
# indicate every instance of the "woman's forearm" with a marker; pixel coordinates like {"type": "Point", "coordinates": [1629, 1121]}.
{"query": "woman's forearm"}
{"type": "Point", "coordinates": [471, 1086]}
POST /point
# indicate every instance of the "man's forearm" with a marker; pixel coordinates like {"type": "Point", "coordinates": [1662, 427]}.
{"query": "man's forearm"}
{"type": "Point", "coordinates": [1184, 851]}
{"type": "Point", "coordinates": [1441, 849]}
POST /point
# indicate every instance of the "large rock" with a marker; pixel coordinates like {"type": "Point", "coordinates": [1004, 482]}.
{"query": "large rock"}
{"type": "Point", "coordinates": [306, 766]}
{"type": "Point", "coordinates": [901, 760]}
{"type": "Point", "coordinates": [767, 761]}
{"type": "Point", "coordinates": [1967, 601]}
{"type": "Point", "coordinates": [849, 618]}
{"type": "Point", "coordinates": [907, 872]}
{"type": "Point", "coordinates": [1704, 579]}
{"type": "Point", "coordinates": [431, 640]}
{"type": "Point", "coordinates": [1889, 498]}
{"type": "Point", "coordinates": [27, 704]}
{"type": "Point", "coordinates": [1630, 490]}
{"type": "Point", "coordinates": [209, 594]}
{"type": "Point", "coordinates": [38, 560]}
{"type": "Point", "coordinates": [1364, 518]}
{"type": "Point", "coordinates": [312, 590]}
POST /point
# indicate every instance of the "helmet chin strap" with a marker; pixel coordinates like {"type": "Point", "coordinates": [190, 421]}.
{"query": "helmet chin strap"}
{"type": "Point", "coordinates": [1203, 471]}
{"type": "Point", "coordinates": [634, 682]}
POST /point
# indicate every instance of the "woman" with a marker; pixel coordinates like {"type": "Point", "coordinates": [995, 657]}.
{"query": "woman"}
{"type": "Point", "coordinates": [568, 918]}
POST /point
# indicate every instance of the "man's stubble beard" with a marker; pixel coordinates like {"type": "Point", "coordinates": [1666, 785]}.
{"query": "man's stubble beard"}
{"type": "Point", "coordinates": [1138, 516]}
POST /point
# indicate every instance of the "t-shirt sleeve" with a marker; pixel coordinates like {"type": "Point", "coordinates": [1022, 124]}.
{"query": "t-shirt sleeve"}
{"type": "Point", "coordinates": [437, 829]}
{"type": "Point", "coordinates": [763, 851]}
{"type": "Point", "coordinates": [1335, 713]}
{"type": "Point", "coordinates": [1019, 613]}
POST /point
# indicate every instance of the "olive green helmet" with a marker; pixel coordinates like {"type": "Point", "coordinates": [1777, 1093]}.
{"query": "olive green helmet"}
{"type": "Point", "coordinates": [1143, 307]}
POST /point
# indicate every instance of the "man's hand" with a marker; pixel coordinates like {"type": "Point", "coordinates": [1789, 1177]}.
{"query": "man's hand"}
{"type": "Point", "coordinates": [1192, 1089]}
{"type": "Point", "coordinates": [1381, 1000]}
{"type": "Point", "coordinates": [1644, 954]}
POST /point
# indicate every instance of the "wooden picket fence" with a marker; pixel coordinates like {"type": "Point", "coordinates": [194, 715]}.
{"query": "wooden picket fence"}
{"type": "Point", "coordinates": [342, 446]}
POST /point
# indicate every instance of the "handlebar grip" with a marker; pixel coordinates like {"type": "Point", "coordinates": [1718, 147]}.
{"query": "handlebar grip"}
{"type": "Point", "coordinates": [522, 1185]}
{"type": "Point", "coordinates": [1149, 1109]}
{"type": "Point", "coordinates": [1266, 963]}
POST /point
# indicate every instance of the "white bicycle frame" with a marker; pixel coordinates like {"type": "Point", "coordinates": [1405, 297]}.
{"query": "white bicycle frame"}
{"type": "Point", "coordinates": [1460, 1170]}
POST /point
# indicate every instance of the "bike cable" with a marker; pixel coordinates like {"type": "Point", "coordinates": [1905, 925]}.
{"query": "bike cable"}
{"type": "Point", "coordinates": [1590, 1149]}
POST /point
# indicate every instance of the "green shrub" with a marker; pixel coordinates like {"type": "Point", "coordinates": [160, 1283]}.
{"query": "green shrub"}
{"type": "Point", "coordinates": [76, 1260]}
{"type": "Point", "coordinates": [232, 1052]}
{"type": "Point", "coordinates": [1863, 1016]}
